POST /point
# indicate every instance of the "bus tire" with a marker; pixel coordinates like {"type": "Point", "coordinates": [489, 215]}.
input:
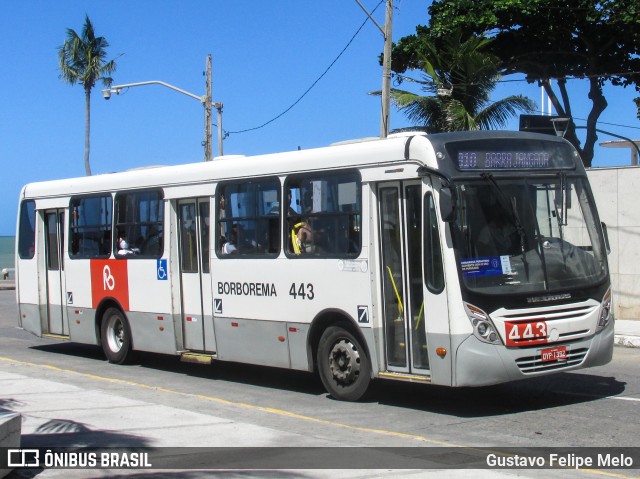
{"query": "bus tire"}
{"type": "Point", "coordinates": [116, 336]}
{"type": "Point", "coordinates": [343, 364]}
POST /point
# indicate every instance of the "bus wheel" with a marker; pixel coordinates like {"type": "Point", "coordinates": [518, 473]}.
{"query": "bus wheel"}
{"type": "Point", "coordinates": [116, 336]}
{"type": "Point", "coordinates": [343, 364]}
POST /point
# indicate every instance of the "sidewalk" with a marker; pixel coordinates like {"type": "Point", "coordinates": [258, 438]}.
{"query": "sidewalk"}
{"type": "Point", "coordinates": [627, 330]}
{"type": "Point", "coordinates": [628, 333]}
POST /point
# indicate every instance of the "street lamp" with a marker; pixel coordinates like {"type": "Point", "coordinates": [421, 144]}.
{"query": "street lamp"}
{"type": "Point", "coordinates": [561, 125]}
{"type": "Point", "coordinates": [204, 99]}
{"type": "Point", "coordinates": [635, 153]}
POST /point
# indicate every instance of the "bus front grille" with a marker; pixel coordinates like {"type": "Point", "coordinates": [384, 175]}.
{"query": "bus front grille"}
{"type": "Point", "coordinates": [534, 364]}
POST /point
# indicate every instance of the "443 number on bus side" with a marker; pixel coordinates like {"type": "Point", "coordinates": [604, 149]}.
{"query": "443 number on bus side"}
{"type": "Point", "coordinates": [302, 291]}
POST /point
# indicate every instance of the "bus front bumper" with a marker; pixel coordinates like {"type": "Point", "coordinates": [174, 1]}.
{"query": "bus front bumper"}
{"type": "Point", "coordinates": [482, 364]}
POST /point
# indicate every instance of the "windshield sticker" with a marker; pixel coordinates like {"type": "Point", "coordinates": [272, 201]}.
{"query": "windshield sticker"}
{"type": "Point", "coordinates": [489, 266]}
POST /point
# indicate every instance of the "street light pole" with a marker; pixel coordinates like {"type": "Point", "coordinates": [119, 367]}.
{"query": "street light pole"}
{"type": "Point", "coordinates": [632, 143]}
{"type": "Point", "coordinates": [205, 100]}
{"type": "Point", "coordinates": [561, 125]}
{"type": "Point", "coordinates": [118, 88]}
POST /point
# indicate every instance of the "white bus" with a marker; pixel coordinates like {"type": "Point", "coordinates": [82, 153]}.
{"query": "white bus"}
{"type": "Point", "coordinates": [459, 259]}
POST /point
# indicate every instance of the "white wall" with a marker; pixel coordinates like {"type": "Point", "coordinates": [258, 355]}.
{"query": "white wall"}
{"type": "Point", "coordinates": [617, 193]}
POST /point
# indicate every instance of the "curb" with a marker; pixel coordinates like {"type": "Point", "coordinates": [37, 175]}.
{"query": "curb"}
{"type": "Point", "coordinates": [10, 433]}
{"type": "Point", "coordinates": [627, 341]}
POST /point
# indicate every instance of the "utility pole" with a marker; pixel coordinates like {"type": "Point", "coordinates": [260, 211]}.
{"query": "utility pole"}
{"type": "Point", "coordinates": [386, 65]}
{"type": "Point", "coordinates": [218, 106]}
{"type": "Point", "coordinates": [386, 71]}
{"type": "Point", "coordinates": [207, 113]}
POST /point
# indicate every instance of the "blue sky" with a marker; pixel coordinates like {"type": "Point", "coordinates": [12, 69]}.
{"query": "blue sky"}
{"type": "Point", "coordinates": [265, 55]}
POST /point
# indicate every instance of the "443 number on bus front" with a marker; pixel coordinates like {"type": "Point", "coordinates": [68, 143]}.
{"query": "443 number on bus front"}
{"type": "Point", "coordinates": [526, 333]}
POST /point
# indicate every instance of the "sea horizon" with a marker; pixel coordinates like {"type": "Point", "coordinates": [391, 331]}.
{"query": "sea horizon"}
{"type": "Point", "coordinates": [7, 252]}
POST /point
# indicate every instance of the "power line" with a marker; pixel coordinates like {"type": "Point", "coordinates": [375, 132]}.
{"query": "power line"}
{"type": "Point", "coordinates": [413, 80]}
{"type": "Point", "coordinates": [610, 124]}
{"type": "Point", "coordinates": [313, 84]}
{"type": "Point", "coordinates": [580, 77]}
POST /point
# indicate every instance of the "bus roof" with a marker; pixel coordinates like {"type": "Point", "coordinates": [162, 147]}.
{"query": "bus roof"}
{"type": "Point", "coordinates": [350, 155]}
{"type": "Point", "coordinates": [417, 147]}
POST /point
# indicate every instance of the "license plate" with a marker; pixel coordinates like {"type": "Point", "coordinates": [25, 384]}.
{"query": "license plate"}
{"type": "Point", "coordinates": [526, 333]}
{"type": "Point", "coordinates": [557, 354]}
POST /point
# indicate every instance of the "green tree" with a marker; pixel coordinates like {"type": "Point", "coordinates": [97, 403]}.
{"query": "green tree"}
{"type": "Point", "coordinates": [82, 60]}
{"type": "Point", "coordinates": [548, 41]}
{"type": "Point", "coordinates": [458, 77]}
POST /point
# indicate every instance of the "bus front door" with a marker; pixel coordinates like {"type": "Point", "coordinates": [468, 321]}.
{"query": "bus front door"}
{"type": "Point", "coordinates": [401, 226]}
{"type": "Point", "coordinates": [195, 276]}
{"type": "Point", "coordinates": [57, 319]}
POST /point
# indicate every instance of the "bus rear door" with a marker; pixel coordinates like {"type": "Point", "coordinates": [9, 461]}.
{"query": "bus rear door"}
{"type": "Point", "coordinates": [57, 318]}
{"type": "Point", "coordinates": [195, 276]}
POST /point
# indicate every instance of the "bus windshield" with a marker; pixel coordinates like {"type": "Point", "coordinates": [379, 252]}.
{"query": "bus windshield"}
{"type": "Point", "coordinates": [527, 235]}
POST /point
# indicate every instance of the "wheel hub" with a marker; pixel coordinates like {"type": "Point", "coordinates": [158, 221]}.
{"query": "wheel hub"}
{"type": "Point", "coordinates": [344, 362]}
{"type": "Point", "coordinates": [116, 335]}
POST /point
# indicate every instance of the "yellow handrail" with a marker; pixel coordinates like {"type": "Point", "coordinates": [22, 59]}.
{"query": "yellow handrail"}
{"type": "Point", "coordinates": [395, 288]}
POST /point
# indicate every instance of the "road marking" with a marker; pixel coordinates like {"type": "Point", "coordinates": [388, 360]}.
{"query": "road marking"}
{"type": "Point", "coordinates": [623, 398]}
{"type": "Point", "coordinates": [282, 412]}
{"type": "Point", "coordinates": [597, 396]}
{"type": "Point", "coordinates": [607, 473]}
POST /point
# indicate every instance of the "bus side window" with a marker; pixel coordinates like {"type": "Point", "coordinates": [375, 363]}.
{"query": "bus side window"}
{"type": "Point", "coordinates": [90, 226]}
{"type": "Point", "coordinates": [433, 268]}
{"type": "Point", "coordinates": [27, 230]}
{"type": "Point", "coordinates": [139, 224]}
{"type": "Point", "coordinates": [248, 218]}
{"type": "Point", "coordinates": [324, 215]}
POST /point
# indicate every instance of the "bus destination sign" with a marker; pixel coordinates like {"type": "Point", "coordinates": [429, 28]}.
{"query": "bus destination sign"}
{"type": "Point", "coordinates": [503, 160]}
{"type": "Point", "coordinates": [511, 155]}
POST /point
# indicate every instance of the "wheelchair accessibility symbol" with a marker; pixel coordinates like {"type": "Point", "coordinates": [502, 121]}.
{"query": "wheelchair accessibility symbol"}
{"type": "Point", "coordinates": [162, 270]}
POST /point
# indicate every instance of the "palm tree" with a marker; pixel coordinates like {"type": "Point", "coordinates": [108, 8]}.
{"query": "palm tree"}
{"type": "Point", "coordinates": [82, 61]}
{"type": "Point", "coordinates": [459, 77]}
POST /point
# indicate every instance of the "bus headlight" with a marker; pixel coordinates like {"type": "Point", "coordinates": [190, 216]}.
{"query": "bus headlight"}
{"type": "Point", "coordinates": [483, 328]}
{"type": "Point", "coordinates": [605, 311]}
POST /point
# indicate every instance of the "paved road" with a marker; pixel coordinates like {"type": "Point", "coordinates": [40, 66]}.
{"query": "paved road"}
{"type": "Point", "coordinates": [70, 396]}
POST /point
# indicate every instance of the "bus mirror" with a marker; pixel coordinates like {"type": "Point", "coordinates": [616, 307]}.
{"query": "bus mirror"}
{"type": "Point", "coordinates": [447, 204]}
{"type": "Point", "coordinates": [606, 237]}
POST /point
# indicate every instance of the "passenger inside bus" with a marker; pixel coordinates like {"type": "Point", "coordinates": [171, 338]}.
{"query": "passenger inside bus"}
{"type": "Point", "coordinates": [230, 245]}
{"type": "Point", "coordinates": [152, 244]}
{"type": "Point", "coordinates": [222, 214]}
{"type": "Point", "coordinates": [302, 236]}
{"type": "Point", "coordinates": [123, 246]}
{"type": "Point", "coordinates": [498, 236]}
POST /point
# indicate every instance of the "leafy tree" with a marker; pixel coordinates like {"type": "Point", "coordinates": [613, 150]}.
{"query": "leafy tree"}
{"type": "Point", "coordinates": [82, 61]}
{"type": "Point", "coordinates": [547, 40]}
{"type": "Point", "coordinates": [459, 78]}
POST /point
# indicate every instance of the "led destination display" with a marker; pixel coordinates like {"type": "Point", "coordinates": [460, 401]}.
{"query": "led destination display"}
{"type": "Point", "coordinates": [529, 155]}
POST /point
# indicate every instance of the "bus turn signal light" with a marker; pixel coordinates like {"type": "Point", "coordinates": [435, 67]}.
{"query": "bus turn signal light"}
{"type": "Point", "coordinates": [442, 352]}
